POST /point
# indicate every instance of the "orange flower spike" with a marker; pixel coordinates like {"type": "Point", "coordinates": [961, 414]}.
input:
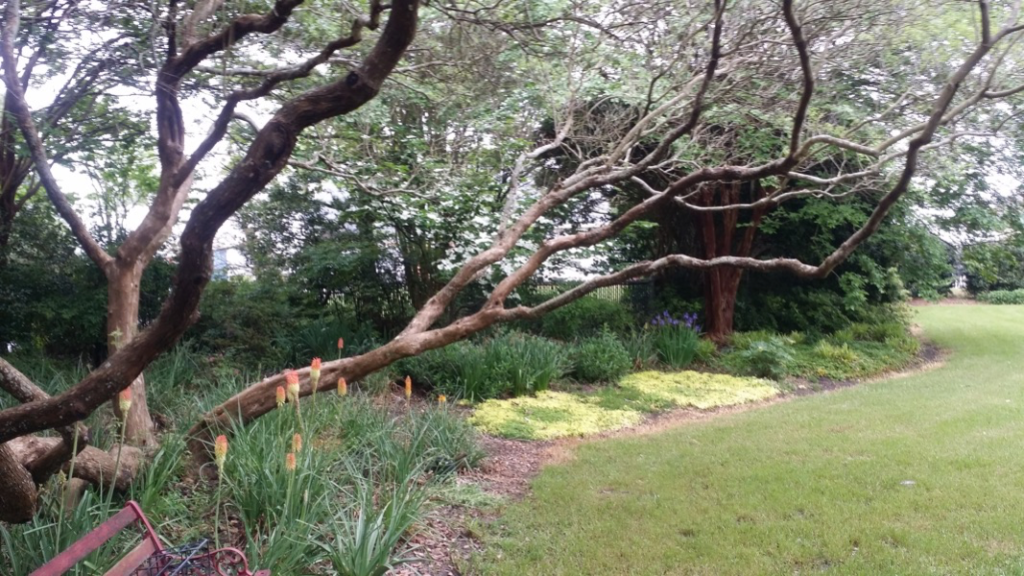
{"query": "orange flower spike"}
{"type": "Point", "coordinates": [297, 443]}
{"type": "Point", "coordinates": [342, 387]}
{"type": "Point", "coordinates": [291, 379]}
{"type": "Point", "coordinates": [289, 462]}
{"type": "Point", "coordinates": [280, 396]}
{"type": "Point", "coordinates": [220, 451]}
{"type": "Point", "coordinates": [408, 388]}
{"type": "Point", "coordinates": [124, 400]}
{"type": "Point", "coordinates": [341, 343]}
{"type": "Point", "coordinates": [442, 400]}
{"type": "Point", "coordinates": [314, 374]}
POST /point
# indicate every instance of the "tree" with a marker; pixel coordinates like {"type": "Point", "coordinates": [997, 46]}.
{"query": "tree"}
{"type": "Point", "coordinates": [185, 47]}
{"type": "Point", "coordinates": [57, 51]}
{"type": "Point", "coordinates": [697, 57]}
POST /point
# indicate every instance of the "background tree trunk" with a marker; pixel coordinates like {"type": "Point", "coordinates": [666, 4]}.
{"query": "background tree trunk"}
{"type": "Point", "coordinates": [718, 235]}
{"type": "Point", "coordinates": [122, 325]}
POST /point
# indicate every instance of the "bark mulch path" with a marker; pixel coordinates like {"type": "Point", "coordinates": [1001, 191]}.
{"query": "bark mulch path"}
{"type": "Point", "coordinates": [446, 542]}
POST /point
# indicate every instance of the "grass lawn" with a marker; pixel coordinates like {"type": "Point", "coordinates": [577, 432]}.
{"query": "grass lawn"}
{"type": "Point", "coordinates": [916, 475]}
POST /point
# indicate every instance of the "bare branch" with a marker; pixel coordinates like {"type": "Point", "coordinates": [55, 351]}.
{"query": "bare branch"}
{"type": "Point", "coordinates": [807, 90]}
{"type": "Point", "coordinates": [19, 108]}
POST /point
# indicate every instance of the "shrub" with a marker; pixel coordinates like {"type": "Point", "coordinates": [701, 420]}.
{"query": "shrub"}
{"type": "Point", "coordinates": [706, 351]}
{"type": "Point", "coordinates": [840, 354]}
{"type": "Point", "coordinates": [525, 364]}
{"type": "Point", "coordinates": [744, 340]}
{"type": "Point", "coordinates": [639, 345]}
{"type": "Point", "coordinates": [459, 370]}
{"type": "Point", "coordinates": [905, 344]}
{"type": "Point", "coordinates": [588, 315]}
{"type": "Point", "coordinates": [510, 363]}
{"type": "Point", "coordinates": [675, 341]}
{"type": "Point", "coordinates": [879, 332]}
{"type": "Point", "coordinates": [1002, 297]}
{"type": "Point", "coordinates": [768, 358]}
{"type": "Point", "coordinates": [600, 359]}
{"type": "Point", "coordinates": [994, 267]}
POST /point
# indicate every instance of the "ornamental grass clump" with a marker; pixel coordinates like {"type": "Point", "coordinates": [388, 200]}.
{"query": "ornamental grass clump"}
{"type": "Point", "coordinates": [361, 540]}
{"type": "Point", "coordinates": [507, 364]}
{"type": "Point", "coordinates": [279, 490]}
{"type": "Point", "coordinates": [675, 341]}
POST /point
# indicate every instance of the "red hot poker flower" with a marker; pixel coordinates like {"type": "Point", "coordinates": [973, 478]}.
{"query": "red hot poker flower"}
{"type": "Point", "coordinates": [220, 451]}
{"type": "Point", "coordinates": [124, 400]}
{"type": "Point", "coordinates": [291, 378]}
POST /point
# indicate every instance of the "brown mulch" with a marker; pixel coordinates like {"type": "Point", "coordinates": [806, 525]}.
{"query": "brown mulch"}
{"type": "Point", "coordinates": [445, 543]}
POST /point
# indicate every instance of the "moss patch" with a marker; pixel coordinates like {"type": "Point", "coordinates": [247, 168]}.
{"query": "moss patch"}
{"type": "Point", "coordinates": [699, 389]}
{"type": "Point", "coordinates": [549, 415]}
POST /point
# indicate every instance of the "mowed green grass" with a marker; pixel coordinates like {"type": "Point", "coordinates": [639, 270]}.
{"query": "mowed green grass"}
{"type": "Point", "coordinates": [820, 484]}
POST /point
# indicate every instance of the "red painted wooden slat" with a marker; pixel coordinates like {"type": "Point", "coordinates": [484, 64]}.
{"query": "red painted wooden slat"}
{"type": "Point", "coordinates": [64, 561]}
{"type": "Point", "coordinates": [133, 559]}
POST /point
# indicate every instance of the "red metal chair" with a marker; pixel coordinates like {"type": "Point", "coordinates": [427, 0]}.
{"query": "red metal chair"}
{"type": "Point", "coordinates": [149, 558]}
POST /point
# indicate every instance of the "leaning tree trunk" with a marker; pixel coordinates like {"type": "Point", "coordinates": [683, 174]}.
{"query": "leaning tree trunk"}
{"type": "Point", "coordinates": [122, 325]}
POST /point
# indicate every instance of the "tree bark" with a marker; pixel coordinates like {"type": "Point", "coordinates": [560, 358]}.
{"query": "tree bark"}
{"type": "Point", "coordinates": [73, 437]}
{"type": "Point", "coordinates": [18, 497]}
{"type": "Point", "coordinates": [92, 464]}
{"type": "Point", "coordinates": [122, 325]}
{"type": "Point", "coordinates": [722, 284]}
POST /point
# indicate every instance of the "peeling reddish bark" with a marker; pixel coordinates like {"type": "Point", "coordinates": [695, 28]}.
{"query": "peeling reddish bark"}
{"type": "Point", "coordinates": [718, 240]}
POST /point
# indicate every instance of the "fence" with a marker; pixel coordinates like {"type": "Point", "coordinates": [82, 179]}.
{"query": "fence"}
{"type": "Point", "coordinates": [638, 295]}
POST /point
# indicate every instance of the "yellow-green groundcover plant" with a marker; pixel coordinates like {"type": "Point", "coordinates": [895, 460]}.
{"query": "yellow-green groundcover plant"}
{"type": "Point", "coordinates": [551, 415]}
{"type": "Point", "coordinates": [700, 390]}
